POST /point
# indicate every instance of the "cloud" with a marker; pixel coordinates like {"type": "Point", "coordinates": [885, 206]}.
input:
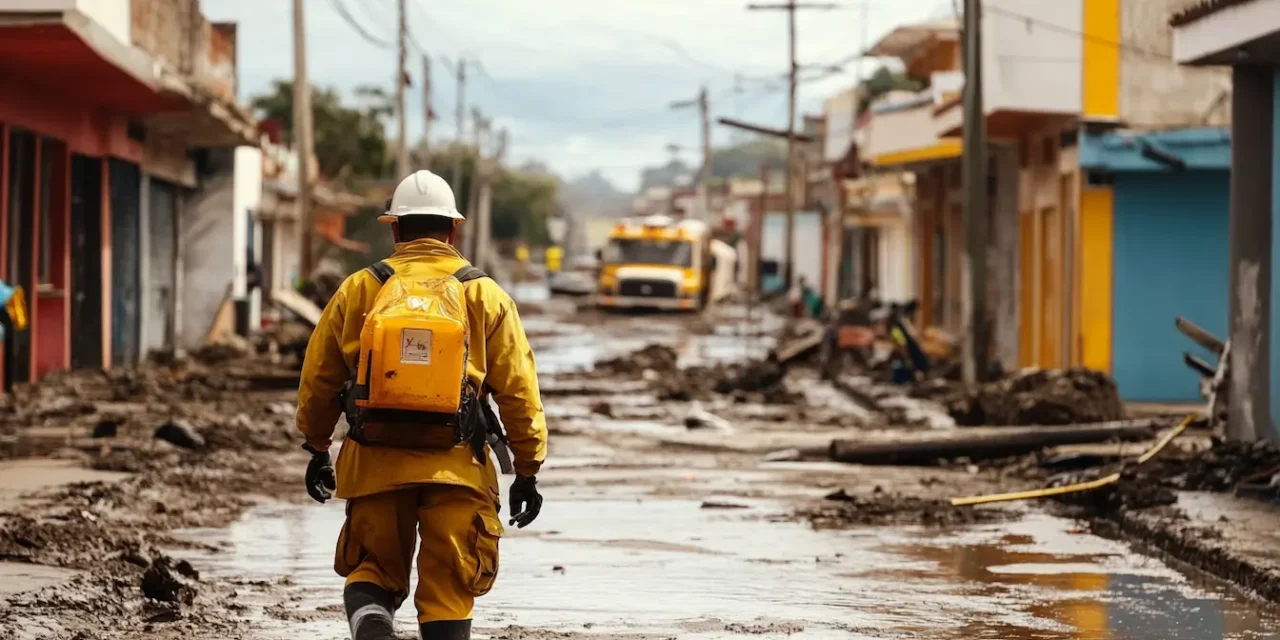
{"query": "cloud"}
{"type": "Point", "coordinates": [578, 83]}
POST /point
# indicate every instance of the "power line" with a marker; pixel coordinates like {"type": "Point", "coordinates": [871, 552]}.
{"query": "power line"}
{"type": "Point", "coordinates": [351, 21]}
{"type": "Point", "coordinates": [1119, 44]}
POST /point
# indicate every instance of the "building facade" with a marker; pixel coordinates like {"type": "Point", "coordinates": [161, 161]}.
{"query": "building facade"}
{"type": "Point", "coordinates": [1243, 36]}
{"type": "Point", "coordinates": [1054, 246]}
{"type": "Point", "coordinates": [107, 112]}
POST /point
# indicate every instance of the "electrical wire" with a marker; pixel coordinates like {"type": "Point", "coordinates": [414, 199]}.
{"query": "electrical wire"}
{"type": "Point", "coordinates": [351, 21]}
{"type": "Point", "coordinates": [1119, 44]}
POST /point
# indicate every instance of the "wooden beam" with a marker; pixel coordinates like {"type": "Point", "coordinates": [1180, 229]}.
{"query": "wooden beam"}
{"type": "Point", "coordinates": [755, 128]}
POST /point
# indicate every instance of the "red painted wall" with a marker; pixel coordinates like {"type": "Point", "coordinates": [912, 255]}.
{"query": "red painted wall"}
{"type": "Point", "coordinates": [86, 129]}
{"type": "Point", "coordinates": [52, 348]}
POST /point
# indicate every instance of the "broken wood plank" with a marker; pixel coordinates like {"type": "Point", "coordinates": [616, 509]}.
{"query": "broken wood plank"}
{"type": "Point", "coordinates": [300, 306]}
{"type": "Point", "coordinates": [1200, 336]}
{"type": "Point", "coordinates": [997, 443]}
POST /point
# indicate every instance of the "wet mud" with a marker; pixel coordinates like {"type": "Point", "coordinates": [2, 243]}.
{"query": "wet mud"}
{"type": "Point", "coordinates": [660, 522]}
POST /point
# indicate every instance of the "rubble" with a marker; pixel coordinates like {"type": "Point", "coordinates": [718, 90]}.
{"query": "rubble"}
{"type": "Point", "coordinates": [1030, 397]}
{"type": "Point", "coordinates": [180, 434]}
{"type": "Point", "coordinates": [169, 581]}
{"type": "Point", "coordinates": [654, 357]}
{"type": "Point", "coordinates": [843, 509]}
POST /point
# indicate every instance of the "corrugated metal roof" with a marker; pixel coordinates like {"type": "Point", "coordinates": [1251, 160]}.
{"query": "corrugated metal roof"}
{"type": "Point", "coordinates": [1202, 9]}
{"type": "Point", "coordinates": [906, 40]}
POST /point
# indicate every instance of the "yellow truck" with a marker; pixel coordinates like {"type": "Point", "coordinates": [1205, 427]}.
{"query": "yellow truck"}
{"type": "Point", "coordinates": [656, 262]}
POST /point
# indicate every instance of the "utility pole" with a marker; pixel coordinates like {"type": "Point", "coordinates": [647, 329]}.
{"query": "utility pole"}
{"type": "Point", "coordinates": [302, 140]}
{"type": "Point", "coordinates": [705, 183]}
{"type": "Point", "coordinates": [456, 182]}
{"type": "Point", "coordinates": [790, 7]}
{"type": "Point", "coordinates": [484, 206]}
{"type": "Point", "coordinates": [704, 175]}
{"type": "Point", "coordinates": [402, 81]}
{"type": "Point", "coordinates": [974, 169]}
{"type": "Point", "coordinates": [427, 116]}
{"type": "Point", "coordinates": [480, 127]}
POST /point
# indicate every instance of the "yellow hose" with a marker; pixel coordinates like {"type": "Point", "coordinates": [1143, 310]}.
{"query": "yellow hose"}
{"type": "Point", "coordinates": [1079, 486]}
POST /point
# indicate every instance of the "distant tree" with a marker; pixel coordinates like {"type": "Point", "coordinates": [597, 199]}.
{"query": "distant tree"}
{"type": "Point", "coordinates": [883, 81]}
{"type": "Point", "coordinates": [350, 142]}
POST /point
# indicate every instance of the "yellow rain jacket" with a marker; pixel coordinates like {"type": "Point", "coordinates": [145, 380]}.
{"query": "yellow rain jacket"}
{"type": "Point", "coordinates": [500, 357]}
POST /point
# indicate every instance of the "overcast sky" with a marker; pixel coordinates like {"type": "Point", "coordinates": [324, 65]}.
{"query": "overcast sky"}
{"type": "Point", "coordinates": [580, 84]}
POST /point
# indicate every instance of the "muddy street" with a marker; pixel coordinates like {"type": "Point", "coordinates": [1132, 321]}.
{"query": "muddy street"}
{"type": "Point", "coordinates": [667, 515]}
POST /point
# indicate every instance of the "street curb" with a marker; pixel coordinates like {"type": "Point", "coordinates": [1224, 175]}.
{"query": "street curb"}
{"type": "Point", "coordinates": [1176, 542]}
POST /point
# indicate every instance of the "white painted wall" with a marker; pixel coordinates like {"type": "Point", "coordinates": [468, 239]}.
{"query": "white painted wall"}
{"type": "Point", "coordinates": [806, 245]}
{"type": "Point", "coordinates": [246, 197]}
{"type": "Point", "coordinates": [1032, 55]}
{"type": "Point", "coordinates": [897, 268]}
{"type": "Point", "coordinates": [208, 235]}
{"type": "Point", "coordinates": [116, 16]}
{"type": "Point", "coordinates": [900, 129]}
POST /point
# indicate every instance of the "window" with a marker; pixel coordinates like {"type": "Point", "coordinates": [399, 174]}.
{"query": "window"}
{"type": "Point", "coordinates": [649, 251]}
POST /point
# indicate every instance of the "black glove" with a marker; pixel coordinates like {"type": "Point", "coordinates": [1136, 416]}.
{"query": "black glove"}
{"type": "Point", "coordinates": [526, 502]}
{"type": "Point", "coordinates": [320, 478]}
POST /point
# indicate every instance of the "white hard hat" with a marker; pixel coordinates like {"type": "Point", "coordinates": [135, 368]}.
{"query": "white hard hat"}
{"type": "Point", "coordinates": [422, 193]}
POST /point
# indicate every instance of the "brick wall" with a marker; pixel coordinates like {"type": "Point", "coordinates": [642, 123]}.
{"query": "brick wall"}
{"type": "Point", "coordinates": [177, 35]}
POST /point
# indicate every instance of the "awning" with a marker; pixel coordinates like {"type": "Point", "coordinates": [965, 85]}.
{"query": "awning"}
{"type": "Point", "coordinates": [1001, 123]}
{"type": "Point", "coordinates": [68, 53]}
{"type": "Point", "coordinates": [1224, 32]}
{"type": "Point", "coordinates": [941, 150]}
{"type": "Point", "coordinates": [905, 42]}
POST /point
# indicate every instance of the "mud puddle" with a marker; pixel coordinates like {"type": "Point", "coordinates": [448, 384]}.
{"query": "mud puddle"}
{"type": "Point", "coordinates": [615, 567]}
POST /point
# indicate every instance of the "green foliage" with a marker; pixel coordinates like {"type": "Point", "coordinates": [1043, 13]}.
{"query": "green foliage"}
{"type": "Point", "coordinates": [883, 81]}
{"type": "Point", "coordinates": [349, 141]}
{"type": "Point", "coordinates": [744, 160]}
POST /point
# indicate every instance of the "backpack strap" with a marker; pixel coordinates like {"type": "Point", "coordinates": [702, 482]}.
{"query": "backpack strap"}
{"type": "Point", "coordinates": [382, 271]}
{"type": "Point", "coordinates": [468, 273]}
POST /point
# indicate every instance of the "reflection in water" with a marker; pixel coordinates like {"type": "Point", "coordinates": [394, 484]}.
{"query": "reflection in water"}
{"type": "Point", "coordinates": [1096, 591]}
{"type": "Point", "coordinates": [667, 567]}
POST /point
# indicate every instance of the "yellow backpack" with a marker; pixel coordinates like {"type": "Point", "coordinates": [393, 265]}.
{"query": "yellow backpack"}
{"type": "Point", "coordinates": [411, 387]}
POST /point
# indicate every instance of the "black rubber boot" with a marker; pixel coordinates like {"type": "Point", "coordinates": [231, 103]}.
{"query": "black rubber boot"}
{"type": "Point", "coordinates": [369, 610]}
{"type": "Point", "coordinates": [446, 630]}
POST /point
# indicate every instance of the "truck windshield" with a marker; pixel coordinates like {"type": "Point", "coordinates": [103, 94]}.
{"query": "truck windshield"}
{"type": "Point", "coordinates": [678, 253]}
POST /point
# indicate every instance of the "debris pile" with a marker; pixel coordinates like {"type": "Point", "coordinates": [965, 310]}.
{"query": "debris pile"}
{"type": "Point", "coordinates": [758, 381]}
{"type": "Point", "coordinates": [879, 508]}
{"type": "Point", "coordinates": [1223, 467]}
{"type": "Point", "coordinates": [655, 357]}
{"type": "Point", "coordinates": [1031, 397]}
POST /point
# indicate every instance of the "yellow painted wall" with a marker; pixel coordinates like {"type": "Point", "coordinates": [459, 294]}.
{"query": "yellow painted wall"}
{"type": "Point", "coordinates": [1101, 56]}
{"type": "Point", "coordinates": [1096, 269]}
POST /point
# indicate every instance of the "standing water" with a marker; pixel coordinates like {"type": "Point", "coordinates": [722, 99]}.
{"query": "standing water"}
{"type": "Point", "coordinates": [608, 567]}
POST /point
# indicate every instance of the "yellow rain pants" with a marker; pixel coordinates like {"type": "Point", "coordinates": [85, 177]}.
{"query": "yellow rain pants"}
{"type": "Point", "coordinates": [458, 558]}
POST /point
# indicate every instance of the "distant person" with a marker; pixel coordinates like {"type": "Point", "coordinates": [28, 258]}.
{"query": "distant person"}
{"type": "Point", "coordinates": [442, 338]}
{"type": "Point", "coordinates": [8, 330]}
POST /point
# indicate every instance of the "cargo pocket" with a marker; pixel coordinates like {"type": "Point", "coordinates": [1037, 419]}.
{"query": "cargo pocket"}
{"type": "Point", "coordinates": [347, 556]}
{"type": "Point", "coordinates": [482, 567]}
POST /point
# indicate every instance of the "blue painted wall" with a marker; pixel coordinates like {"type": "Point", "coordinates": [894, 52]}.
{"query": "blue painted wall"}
{"type": "Point", "coordinates": [1171, 258]}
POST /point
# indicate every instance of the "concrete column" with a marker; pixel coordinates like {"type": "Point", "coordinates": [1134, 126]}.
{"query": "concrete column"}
{"type": "Point", "coordinates": [1249, 302]}
{"type": "Point", "coordinates": [1002, 271]}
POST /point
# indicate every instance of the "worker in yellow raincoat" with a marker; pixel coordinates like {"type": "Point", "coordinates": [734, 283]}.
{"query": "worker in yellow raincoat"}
{"type": "Point", "coordinates": [449, 497]}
